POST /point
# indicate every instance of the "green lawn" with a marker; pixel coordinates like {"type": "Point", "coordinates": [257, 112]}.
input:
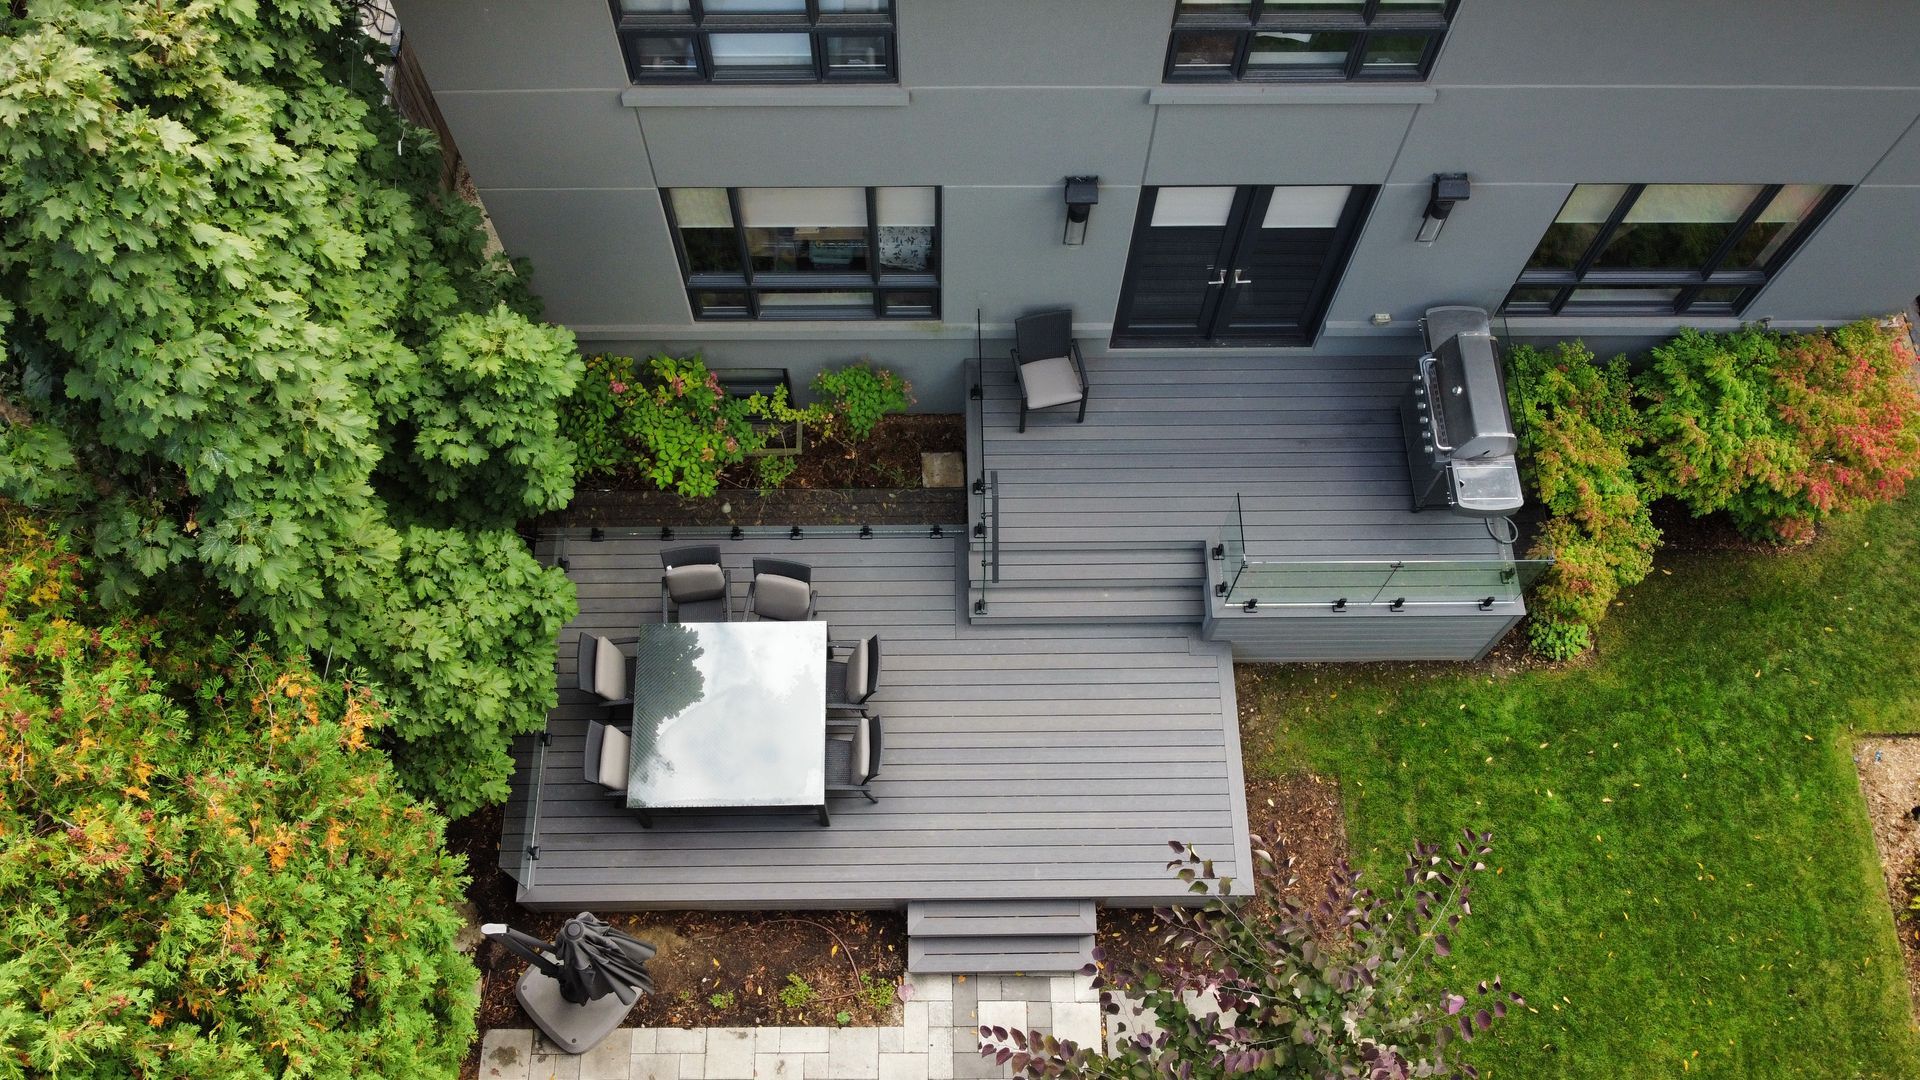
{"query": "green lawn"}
{"type": "Point", "coordinates": [1688, 885]}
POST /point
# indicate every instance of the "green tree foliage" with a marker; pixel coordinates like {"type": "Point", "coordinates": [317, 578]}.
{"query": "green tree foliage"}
{"type": "Point", "coordinates": [1578, 430]}
{"type": "Point", "coordinates": [250, 343]}
{"type": "Point", "coordinates": [205, 870]}
{"type": "Point", "coordinates": [1279, 989]}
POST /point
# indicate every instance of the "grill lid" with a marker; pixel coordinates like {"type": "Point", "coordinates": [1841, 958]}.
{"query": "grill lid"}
{"type": "Point", "coordinates": [1470, 398]}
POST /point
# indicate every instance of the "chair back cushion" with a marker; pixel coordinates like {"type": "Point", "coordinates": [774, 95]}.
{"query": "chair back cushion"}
{"type": "Point", "coordinates": [776, 596]}
{"type": "Point", "coordinates": [614, 752]}
{"type": "Point", "coordinates": [863, 670]}
{"type": "Point", "coordinates": [798, 571]}
{"type": "Point", "coordinates": [687, 584]}
{"type": "Point", "coordinates": [609, 670]}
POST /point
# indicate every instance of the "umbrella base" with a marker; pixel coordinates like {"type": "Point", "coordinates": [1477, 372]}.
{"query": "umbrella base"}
{"type": "Point", "coordinates": [575, 1028]}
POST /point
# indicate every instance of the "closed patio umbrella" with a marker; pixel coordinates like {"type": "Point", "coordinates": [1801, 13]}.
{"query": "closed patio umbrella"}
{"type": "Point", "coordinates": [580, 985]}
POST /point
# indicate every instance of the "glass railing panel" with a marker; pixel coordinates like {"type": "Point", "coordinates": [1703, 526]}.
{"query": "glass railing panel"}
{"type": "Point", "coordinates": [524, 834]}
{"type": "Point", "coordinates": [1384, 583]}
{"type": "Point", "coordinates": [1233, 546]}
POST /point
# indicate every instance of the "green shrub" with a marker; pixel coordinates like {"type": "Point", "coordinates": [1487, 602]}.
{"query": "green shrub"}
{"type": "Point", "coordinates": [1848, 398]}
{"type": "Point", "coordinates": [1782, 430]}
{"type": "Point", "coordinates": [877, 993]}
{"type": "Point", "coordinates": [722, 999]}
{"type": "Point", "coordinates": [796, 993]}
{"type": "Point", "coordinates": [858, 395]}
{"type": "Point", "coordinates": [590, 419]}
{"type": "Point", "coordinates": [205, 871]}
{"type": "Point", "coordinates": [1578, 429]}
{"type": "Point", "coordinates": [667, 420]}
{"type": "Point", "coordinates": [1713, 440]}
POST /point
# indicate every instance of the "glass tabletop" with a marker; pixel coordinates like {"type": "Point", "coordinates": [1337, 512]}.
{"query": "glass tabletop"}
{"type": "Point", "coordinates": [729, 714]}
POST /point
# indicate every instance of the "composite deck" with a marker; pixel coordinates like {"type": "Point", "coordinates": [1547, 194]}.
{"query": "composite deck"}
{"type": "Point", "coordinates": [1107, 520]}
{"type": "Point", "coordinates": [1020, 762]}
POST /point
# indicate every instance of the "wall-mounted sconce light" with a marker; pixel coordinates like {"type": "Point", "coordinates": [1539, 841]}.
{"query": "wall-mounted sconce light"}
{"type": "Point", "coordinates": [1448, 189]}
{"type": "Point", "coordinates": [1083, 192]}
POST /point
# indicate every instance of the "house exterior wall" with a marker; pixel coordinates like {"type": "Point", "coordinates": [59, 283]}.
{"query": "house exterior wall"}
{"type": "Point", "coordinates": [999, 100]}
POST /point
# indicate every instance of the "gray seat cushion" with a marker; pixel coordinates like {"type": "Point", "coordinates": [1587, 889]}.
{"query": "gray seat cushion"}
{"type": "Point", "coordinates": [1053, 381]}
{"type": "Point", "coordinates": [778, 597]}
{"type": "Point", "coordinates": [613, 759]}
{"type": "Point", "coordinates": [687, 584]}
{"type": "Point", "coordinates": [609, 670]}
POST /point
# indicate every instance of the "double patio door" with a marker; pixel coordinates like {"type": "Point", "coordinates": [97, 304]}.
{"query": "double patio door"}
{"type": "Point", "coordinates": [1236, 265]}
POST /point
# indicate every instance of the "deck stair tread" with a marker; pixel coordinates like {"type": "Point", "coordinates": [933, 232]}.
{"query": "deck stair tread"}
{"type": "Point", "coordinates": [1000, 936]}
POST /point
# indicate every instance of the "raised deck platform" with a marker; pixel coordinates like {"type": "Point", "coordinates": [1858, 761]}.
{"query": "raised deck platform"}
{"type": "Point", "coordinates": [1020, 763]}
{"type": "Point", "coordinates": [1298, 459]}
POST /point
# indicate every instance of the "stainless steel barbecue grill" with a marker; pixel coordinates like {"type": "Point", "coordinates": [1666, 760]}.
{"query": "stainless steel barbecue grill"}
{"type": "Point", "coordinates": [1460, 439]}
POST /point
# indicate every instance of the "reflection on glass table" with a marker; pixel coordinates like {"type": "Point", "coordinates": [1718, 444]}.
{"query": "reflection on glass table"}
{"type": "Point", "coordinates": [729, 716]}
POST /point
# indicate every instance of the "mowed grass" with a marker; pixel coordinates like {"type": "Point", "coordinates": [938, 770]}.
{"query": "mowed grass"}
{"type": "Point", "coordinates": [1687, 882]}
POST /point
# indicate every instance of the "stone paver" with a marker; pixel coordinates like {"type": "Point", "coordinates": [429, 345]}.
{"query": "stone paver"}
{"type": "Point", "coordinates": [680, 1041]}
{"type": "Point", "coordinates": [903, 1066]}
{"type": "Point", "coordinates": [655, 1067]}
{"type": "Point", "coordinates": [1004, 1014]}
{"type": "Point", "coordinates": [805, 1040]}
{"type": "Point", "coordinates": [730, 1054]}
{"type": "Point", "coordinates": [779, 1066]}
{"type": "Point", "coordinates": [937, 1039]}
{"type": "Point", "coordinates": [611, 1060]}
{"type": "Point", "coordinates": [506, 1054]}
{"type": "Point", "coordinates": [854, 1054]}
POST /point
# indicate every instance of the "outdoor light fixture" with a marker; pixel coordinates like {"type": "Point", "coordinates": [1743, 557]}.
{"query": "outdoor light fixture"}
{"type": "Point", "coordinates": [1082, 193]}
{"type": "Point", "coordinates": [1448, 189]}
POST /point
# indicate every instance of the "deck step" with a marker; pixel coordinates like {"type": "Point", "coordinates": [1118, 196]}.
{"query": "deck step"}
{"type": "Point", "coordinates": [1061, 954]}
{"type": "Point", "coordinates": [1149, 583]}
{"type": "Point", "coordinates": [988, 918]}
{"type": "Point", "coordinates": [947, 937]}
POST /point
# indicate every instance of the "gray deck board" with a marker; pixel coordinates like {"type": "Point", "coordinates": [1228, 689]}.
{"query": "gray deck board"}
{"type": "Point", "coordinates": [1107, 520]}
{"type": "Point", "coordinates": [1020, 762]}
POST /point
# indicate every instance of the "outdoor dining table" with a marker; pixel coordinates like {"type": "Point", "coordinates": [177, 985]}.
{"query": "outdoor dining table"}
{"type": "Point", "coordinates": [729, 716]}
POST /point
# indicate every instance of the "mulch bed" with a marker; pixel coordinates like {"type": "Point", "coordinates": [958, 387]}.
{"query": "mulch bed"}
{"type": "Point", "coordinates": [1889, 767]}
{"type": "Point", "coordinates": [1298, 816]}
{"type": "Point", "coordinates": [742, 957]}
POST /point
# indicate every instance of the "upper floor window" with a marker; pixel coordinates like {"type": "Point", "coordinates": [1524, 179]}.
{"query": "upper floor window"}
{"type": "Point", "coordinates": [1306, 39]}
{"type": "Point", "coordinates": [1700, 249]}
{"type": "Point", "coordinates": [809, 253]}
{"type": "Point", "coordinates": [757, 41]}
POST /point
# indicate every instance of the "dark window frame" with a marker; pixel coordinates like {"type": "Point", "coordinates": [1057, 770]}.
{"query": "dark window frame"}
{"type": "Point", "coordinates": [884, 286]}
{"type": "Point", "coordinates": [1374, 20]}
{"type": "Point", "coordinates": [1690, 282]}
{"type": "Point", "coordinates": [696, 25]}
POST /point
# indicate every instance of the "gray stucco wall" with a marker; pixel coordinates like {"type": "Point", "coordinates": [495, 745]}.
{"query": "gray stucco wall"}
{"type": "Point", "coordinates": [1004, 98]}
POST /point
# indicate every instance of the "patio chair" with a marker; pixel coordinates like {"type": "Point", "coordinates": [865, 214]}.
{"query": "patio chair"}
{"type": "Point", "coordinates": [605, 761]}
{"type": "Point", "coordinates": [694, 586]}
{"type": "Point", "coordinates": [853, 757]}
{"type": "Point", "coordinates": [781, 591]}
{"type": "Point", "coordinates": [1048, 363]}
{"type": "Point", "coordinates": [605, 671]}
{"type": "Point", "coordinates": [853, 679]}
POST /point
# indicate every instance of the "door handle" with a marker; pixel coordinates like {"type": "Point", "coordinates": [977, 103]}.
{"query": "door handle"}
{"type": "Point", "coordinates": [1218, 279]}
{"type": "Point", "coordinates": [1237, 279]}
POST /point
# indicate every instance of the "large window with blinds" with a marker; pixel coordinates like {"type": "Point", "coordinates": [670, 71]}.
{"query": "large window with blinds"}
{"type": "Point", "coordinates": [809, 253]}
{"type": "Point", "coordinates": [756, 41]}
{"type": "Point", "coordinates": [1306, 40]}
{"type": "Point", "coordinates": [1699, 249]}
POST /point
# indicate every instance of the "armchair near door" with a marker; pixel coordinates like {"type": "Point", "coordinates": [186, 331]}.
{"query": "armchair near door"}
{"type": "Point", "coordinates": [1048, 363]}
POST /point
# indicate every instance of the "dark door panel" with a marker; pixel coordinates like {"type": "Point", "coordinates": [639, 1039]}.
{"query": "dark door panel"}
{"type": "Point", "coordinates": [1234, 266]}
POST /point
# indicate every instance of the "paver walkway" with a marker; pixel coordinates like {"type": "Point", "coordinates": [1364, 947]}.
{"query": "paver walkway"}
{"type": "Point", "coordinates": [937, 1039]}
